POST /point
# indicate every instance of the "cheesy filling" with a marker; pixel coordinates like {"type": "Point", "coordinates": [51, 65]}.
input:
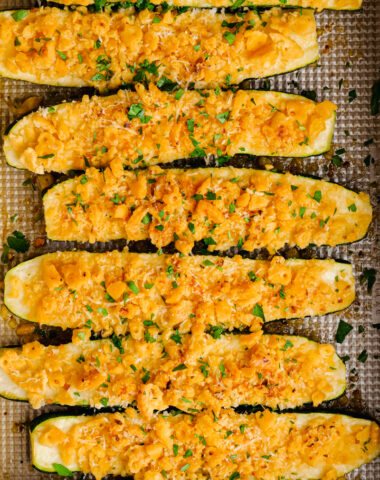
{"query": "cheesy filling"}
{"type": "Point", "coordinates": [227, 445]}
{"type": "Point", "coordinates": [149, 126]}
{"type": "Point", "coordinates": [122, 292]}
{"type": "Point", "coordinates": [224, 207]}
{"type": "Point", "coordinates": [188, 372]}
{"type": "Point", "coordinates": [317, 4]}
{"type": "Point", "coordinates": [109, 49]}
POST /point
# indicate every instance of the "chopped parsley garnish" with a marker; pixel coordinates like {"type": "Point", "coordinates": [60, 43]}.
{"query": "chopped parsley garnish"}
{"type": "Point", "coordinates": [18, 242]}
{"type": "Point", "coordinates": [344, 329]}
{"type": "Point", "coordinates": [131, 284]}
{"type": "Point", "coordinates": [352, 95]}
{"type": "Point", "coordinates": [20, 15]}
{"type": "Point", "coordinates": [216, 331]}
{"type": "Point", "coordinates": [62, 55]}
{"type": "Point", "coordinates": [230, 37]}
{"type": "Point", "coordinates": [258, 311]}
{"type": "Point", "coordinates": [363, 356]}
{"type": "Point", "coordinates": [176, 337]}
{"type": "Point", "coordinates": [62, 470]}
{"type": "Point", "coordinates": [223, 117]}
{"type": "Point", "coordinates": [136, 111]}
{"type": "Point", "coordinates": [369, 276]}
{"type": "Point", "coordinates": [182, 366]}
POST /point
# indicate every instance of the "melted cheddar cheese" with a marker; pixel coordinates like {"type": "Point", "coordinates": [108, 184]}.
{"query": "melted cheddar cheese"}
{"type": "Point", "coordinates": [109, 49]}
{"type": "Point", "coordinates": [118, 291]}
{"type": "Point", "coordinates": [264, 445]}
{"type": "Point", "coordinates": [149, 126]}
{"type": "Point", "coordinates": [190, 372]}
{"type": "Point", "coordinates": [224, 207]}
{"type": "Point", "coordinates": [317, 4]}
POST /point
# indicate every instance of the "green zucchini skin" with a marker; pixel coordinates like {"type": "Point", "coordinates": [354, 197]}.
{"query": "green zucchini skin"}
{"type": "Point", "coordinates": [275, 3]}
{"type": "Point", "coordinates": [306, 405]}
{"type": "Point", "coordinates": [74, 413]}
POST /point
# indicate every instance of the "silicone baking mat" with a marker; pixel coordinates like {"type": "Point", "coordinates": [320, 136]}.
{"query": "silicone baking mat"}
{"type": "Point", "coordinates": [348, 67]}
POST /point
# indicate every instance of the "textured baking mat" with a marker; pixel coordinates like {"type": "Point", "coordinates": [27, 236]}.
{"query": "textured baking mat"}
{"type": "Point", "coordinates": [350, 62]}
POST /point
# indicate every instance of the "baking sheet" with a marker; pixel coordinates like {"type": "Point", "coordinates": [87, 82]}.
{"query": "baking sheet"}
{"type": "Point", "coordinates": [350, 60]}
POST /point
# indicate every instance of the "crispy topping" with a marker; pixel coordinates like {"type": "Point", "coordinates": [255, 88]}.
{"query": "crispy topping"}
{"type": "Point", "coordinates": [110, 49]}
{"type": "Point", "coordinates": [272, 370]}
{"type": "Point", "coordinates": [148, 126]}
{"type": "Point", "coordinates": [224, 207]}
{"type": "Point", "coordinates": [122, 292]}
{"type": "Point", "coordinates": [224, 446]}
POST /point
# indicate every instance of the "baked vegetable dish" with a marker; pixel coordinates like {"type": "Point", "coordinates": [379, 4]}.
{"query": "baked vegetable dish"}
{"type": "Point", "coordinates": [190, 372]}
{"type": "Point", "coordinates": [119, 292]}
{"type": "Point", "coordinates": [317, 4]}
{"type": "Point", "coordinates": [224, 207]}
{"type": "Point", "coordinates": [149, 126]}
{"type": "Point", "coordinates": [228, 445]}
{"type": "Point", "coordinates": [107, 49]}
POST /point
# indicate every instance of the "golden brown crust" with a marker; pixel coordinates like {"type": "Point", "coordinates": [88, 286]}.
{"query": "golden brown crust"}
{"type": "Point", "coordinates": [57, 46]}
{"type": "Point", "coordinates": [224, 207]}
{"type": "Point", "coordinates": [190, 372]}
{"type": "Point", "coordinates": [148, 126]}
{"type": "Point", "coordinates": [228, 445]}
{"type": "Point", "coordinates": [118, 291]}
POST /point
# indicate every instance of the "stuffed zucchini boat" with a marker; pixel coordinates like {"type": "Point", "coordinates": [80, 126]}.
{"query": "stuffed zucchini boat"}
{"type": "Point", "coordinates": [224, 207]}
{"type": "Point", "coordinates": [149, 126]}
{"type": "Point", "coordinates": [317, 4]}
{"type": "Point", "coordinates": [190, 372]}
{"type": "Point", "coordinates": [116, 292]}
{"type": "Point", "coordinates": [108, 49]}
{"type": "Point", "coordinates": [221, 445]}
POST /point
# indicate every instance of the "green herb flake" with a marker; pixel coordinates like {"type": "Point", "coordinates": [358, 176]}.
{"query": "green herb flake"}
{"type": "Point", "coordinates": [62, 470]}
{"type": "Point", "coordinates": [258, 311]}
{"type": "Point", "coordinates": [369, 276]}
{"type": "Point", "coordinates": [62, 55]}
{"type": "Point", "coordinates": [20, 15]}
{"type": "Point", "coordinates": [180, 367]}
{"type": "Point", "coordinates": [343, 330]}
{"type": "Point", "coordinates": [363, 356]}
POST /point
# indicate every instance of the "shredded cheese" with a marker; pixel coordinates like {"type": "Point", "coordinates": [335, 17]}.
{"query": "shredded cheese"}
{"type": "Point", "coordinates": [109, 49]}
{"type": "Point", "coordinates": [148, 126]}
{"type": "Point", "coordinates": [224, 207]}
{"type": "Point", "coordinates": [264, 445]}
{"type": "Point", "coordinates": [95, 290]}
{"type": "Point", "coordinates": [190, 372]}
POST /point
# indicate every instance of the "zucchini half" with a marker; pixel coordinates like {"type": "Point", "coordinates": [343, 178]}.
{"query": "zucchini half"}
{"type": "Point", "coordinates": [148, 126]}
{"type": "Point", "coordinates": [197, 372]}
{"type": "Point", "coordinates": [317, 4]}
{"type": "Point", "coordinates": [220, 445]}
{"type": "Point", "coordinates": [110, 49]}
{"type": "Point", "coordinates": [224, 207]}
{"type": "Point", "coordinates": [118, 291]}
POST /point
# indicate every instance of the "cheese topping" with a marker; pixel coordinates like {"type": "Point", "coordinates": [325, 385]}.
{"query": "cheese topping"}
{"type": "Point", "coordinates": [264, 445]}
{"type": "Point", "coordinates": [76, 48]}
{"type": "Point", "coordinates": [119, 292]}
{"type": "Point", "coordinates": [188, 372]}
{"type": "Point", "coordinates": [148, 126]}
{"type": "Point", "coordinates": [318, 4]}
{"type": "Point", "coordinates": [224, 207]}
